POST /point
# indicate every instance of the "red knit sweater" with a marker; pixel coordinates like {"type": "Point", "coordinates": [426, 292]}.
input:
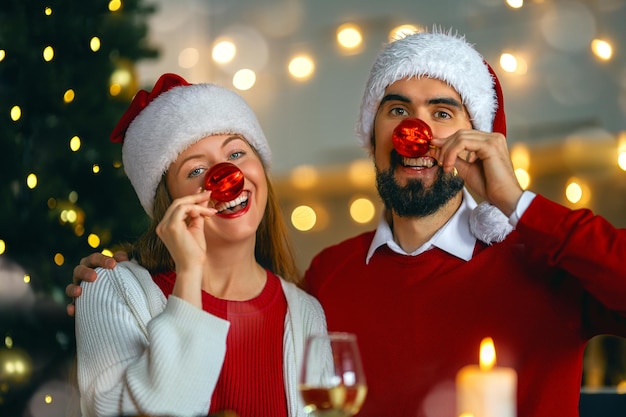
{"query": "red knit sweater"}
{"type": "Point", "coordinates": [420, 319]}
{"type": "Point", "coordinates": [251, 382]}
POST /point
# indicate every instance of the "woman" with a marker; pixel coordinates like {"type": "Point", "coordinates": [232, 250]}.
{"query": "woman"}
{"type": "Point", "coordinates": [207, 316]}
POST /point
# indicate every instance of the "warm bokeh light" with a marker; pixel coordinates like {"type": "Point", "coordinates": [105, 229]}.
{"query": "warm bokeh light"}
{"type": "Point", "coordinates": [362, 210]}
{"type": "Point", "coordinates": [2, 54]}
{"type": "Point", "coordinates": [303, 218]}
{"type": "Point", "coordinates": [93, 240]}
{"type": "Point", "coordinates": [48, 53]}
{"type": "Point", "coordinates": [68, 96]}
{"type": "Point", "coordinates": [107, 252]}
{"type": "Point", "coordinates": [301, 67]}
{"type": "Point", "coordinates": [47, 11]}
{"type": "Point", "coordinates": [602, 49]}
{"type": "Point", "coordinates": [188, 58]}
{"type": "Point", "coordinates": [520, 156]}
{"type": "Point", "coordinates": [224, 51]}
{"type": "Point", "coordinates": [361, 173]}
{"type": "Point", "coordinates": [304, 177]}
{"type": "Point", "coordinates": [26, 279]}
{"type": "Point", "coordinates": [73, 197]}
{"type": "Point", "coordinates": [508, 62]}
{"type": "Point", "coordinates": [75, 143]}
{"type": "Point", "coordinates": [3, 246]}
{"type": "Point", "coordinates": [79, 230]}
{"type": "Point", "coordinates": [621, 160]}
{"type": "Point", "coordinates": [16, 113]}
{"type": "Point", "coordinates": [122, 76]}
{"type": "Point", "coordinates": [68, 216]}
{"type": "Point", "coordinates": [513, 64]}
{"type": "Point", "coordinates": [31, 181]}
{"type": "Point", "coordinates": [16, 363]}
{"type": "Point", "coordinates": [349, 36]}
{"type": "Point", "coordinates": [487, 354]}
{"type": "Point", "coordinates": [95, 169]}
{"type": "Point", "coordinates": [115, 5]}
{"type": "Point", "coordinates": [94, 44]}
{"type": "Point", "coordinates": [515, 4]}
{"type": "Point", "coordinates": [577, 191]}
{"type": "Point", "coordinates": [523, 177]}
{"type": "Point", "coordinates": [59, 259]}
{"type": "Point", "coordinates": [115, 89]}
{"type": "Point", "coordinates": [403, 31]}
{"type": "Point", "coordinates": [244, 79]}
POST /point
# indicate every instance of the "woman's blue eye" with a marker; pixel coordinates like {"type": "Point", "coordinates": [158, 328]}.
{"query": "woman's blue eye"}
{"type": "Point", "coordinates": [236, 155]}
{"type": "Point", "coordinates": [196, 172]}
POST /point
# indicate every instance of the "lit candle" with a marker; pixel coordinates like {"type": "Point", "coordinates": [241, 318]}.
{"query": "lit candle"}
{"type": "Point", "coordinates": [486, 390]}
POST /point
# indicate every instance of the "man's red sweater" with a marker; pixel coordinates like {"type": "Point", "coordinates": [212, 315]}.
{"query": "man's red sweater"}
{"type": "Point", "coordinates": [540, 294]}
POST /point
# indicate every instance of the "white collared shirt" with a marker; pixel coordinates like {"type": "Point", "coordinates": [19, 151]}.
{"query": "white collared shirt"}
{"type": "Point", "coordinates": [455, 237]}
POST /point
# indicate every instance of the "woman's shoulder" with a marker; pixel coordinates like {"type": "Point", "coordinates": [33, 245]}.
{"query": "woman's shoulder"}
{"type": "Point", "coordinates": [128, 279]}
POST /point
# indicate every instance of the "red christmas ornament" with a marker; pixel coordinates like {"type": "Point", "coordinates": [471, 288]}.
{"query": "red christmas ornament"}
{"type": "Point", "coordinates": [411, 138]}
{"type": "Point", "coordinates": [225, 181]}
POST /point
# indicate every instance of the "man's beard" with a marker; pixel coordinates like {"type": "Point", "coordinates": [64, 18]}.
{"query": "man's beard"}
{"type": "Point", "coordinates": [413, 199]}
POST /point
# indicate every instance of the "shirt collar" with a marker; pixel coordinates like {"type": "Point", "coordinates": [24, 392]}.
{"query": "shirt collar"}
{"type": "Point", "coordinates": [455, 237]}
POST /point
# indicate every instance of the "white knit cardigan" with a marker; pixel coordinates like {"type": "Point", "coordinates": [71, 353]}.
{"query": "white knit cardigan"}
{"type": "Point", "coordinates": [140, 353]}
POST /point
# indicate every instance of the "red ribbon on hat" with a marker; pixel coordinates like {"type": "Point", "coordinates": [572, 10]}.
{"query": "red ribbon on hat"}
{"type": "Point", "coordinates": [141, 101]}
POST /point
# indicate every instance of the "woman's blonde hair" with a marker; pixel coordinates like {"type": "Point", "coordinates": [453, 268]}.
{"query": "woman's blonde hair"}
{"type": "Point", "coordinates": [273, 249]}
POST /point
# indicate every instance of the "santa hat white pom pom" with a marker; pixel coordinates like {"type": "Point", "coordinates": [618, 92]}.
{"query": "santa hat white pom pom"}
{"type": "Point", "coordinates": [489, 224]}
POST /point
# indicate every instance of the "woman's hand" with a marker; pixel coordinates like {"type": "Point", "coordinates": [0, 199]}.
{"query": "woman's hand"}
{"type": "Point", "coordinates": [182, 232]}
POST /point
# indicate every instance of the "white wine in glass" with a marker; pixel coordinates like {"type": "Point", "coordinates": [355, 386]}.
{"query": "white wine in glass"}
{"type": "Point", "coordinates": [332, 382]}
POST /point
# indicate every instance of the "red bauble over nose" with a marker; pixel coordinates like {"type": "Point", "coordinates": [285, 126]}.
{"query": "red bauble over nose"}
{"type": "Point", "coordinates": [225, 181]}
{"type": "Point", "coordinates": [411, 138]}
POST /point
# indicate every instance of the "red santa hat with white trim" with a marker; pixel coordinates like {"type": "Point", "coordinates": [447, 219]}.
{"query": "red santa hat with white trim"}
{"type": "Point", "coordinates": [444, 56]}
{"type": "Point", "coordinates": [448, 57]}
{"type": "Point", "coordinates": [161, 124]}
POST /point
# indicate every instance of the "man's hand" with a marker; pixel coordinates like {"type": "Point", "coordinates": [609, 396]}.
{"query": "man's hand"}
{"type": "Point", "coordinates": [85, 271]}
{"type": "Point", "coordinates": [483, 161]}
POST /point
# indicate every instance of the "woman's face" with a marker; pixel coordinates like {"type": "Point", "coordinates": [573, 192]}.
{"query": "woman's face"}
{"type": "Point", "coordinates": [186, 176]}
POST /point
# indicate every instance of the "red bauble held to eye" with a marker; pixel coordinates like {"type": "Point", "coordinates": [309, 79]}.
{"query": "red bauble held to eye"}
{"type": "Point", "coordinates": [411, 138]}
{"type": "Point", "coordinates": [225, 181]}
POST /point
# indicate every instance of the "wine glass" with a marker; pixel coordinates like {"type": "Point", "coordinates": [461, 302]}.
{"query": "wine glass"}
{"type": "Point", "coordinates": [332, 382]}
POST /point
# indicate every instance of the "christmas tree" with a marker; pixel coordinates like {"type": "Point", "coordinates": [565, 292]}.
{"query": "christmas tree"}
{"type": "Point", "coordinates": [66, 76]}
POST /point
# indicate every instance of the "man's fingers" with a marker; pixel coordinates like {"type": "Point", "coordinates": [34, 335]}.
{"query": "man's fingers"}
{"type": "Point", "coordinates": [97, 259]}
{"type": "Point", "coordinates": [120, 256]}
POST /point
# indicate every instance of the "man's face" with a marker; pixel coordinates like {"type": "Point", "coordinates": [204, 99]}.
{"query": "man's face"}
{"type": "Point", "coordinates": [416, 187]}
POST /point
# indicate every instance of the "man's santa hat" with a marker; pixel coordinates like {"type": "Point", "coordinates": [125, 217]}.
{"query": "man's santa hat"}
{"type": "Point", "coordinates": [444, 56]}
{"type": "Point", "coordinates": [161, 124]}
{"type": "Point", "coordinates": [448, 57]}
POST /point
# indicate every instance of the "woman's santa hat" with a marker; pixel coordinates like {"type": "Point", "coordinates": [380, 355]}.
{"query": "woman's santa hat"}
{"type": "Point", "coordinates": [159, 125]}
{"type": "Point", "coordinates": [450, 58]}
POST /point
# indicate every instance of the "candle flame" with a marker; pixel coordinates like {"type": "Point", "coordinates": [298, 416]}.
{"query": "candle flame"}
{"type": "Point", "coordinates": [487, 354]}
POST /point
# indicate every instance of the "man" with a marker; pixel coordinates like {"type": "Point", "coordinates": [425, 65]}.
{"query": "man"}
{"type": "Point", "coordinates": [440, 272]}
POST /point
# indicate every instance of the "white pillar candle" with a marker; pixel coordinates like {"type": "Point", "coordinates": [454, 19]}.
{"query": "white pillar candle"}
{"type": "Point", "coordinates": [486, 390]}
